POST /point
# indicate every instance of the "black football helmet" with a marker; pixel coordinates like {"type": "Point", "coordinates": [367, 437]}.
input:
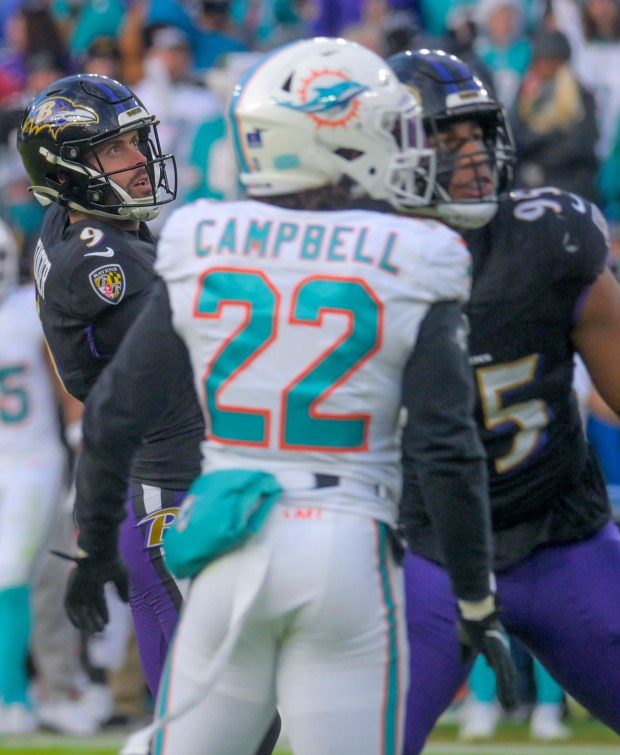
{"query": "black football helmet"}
{"type": "Point", "coordinates": [59, 131]}
{"type": "Point", "coordinates": [450, 92]}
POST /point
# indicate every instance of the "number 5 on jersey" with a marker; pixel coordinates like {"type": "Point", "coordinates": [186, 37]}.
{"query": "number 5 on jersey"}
{"type": "Point", "coordinates": [302, 425]}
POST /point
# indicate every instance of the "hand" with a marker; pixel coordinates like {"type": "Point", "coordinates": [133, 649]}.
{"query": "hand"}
{"type": "Point", "coordinates": [85, 599]}
{"type": "Point", "coordinates": [486, 635]}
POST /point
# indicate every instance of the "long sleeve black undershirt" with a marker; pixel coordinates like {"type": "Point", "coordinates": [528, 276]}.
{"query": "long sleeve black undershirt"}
{"type": "Point", "coordinates": [151, 364]}
{"type": "Point", "coordinates": [443, 459]}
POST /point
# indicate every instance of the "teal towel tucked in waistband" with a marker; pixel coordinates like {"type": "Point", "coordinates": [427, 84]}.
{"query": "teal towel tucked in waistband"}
{"type": "Point", "coordinates": [221, 510]}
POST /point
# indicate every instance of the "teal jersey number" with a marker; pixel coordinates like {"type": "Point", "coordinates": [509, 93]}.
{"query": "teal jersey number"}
{"type": "Point", "coordinates": [254, 292]}
{"type": "Point", "coordinates": [302, 426]}
{"type": "Point", "coordinates": [14, 402]}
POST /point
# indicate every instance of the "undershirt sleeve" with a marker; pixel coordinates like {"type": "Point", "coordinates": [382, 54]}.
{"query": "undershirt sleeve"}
{"type": "Point", "coordinates": [126, 401]}
{"type": "Point", "coordinates": [443, 458]}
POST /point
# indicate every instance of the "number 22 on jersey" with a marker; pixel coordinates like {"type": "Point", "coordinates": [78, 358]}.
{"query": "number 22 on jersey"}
{"type": "Point", "coordinates": [302, 425]}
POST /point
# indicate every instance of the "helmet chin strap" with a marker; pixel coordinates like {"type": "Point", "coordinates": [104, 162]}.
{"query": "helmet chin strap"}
{"type": "Point", "coordinates": [123, 213]}
{"type": "Point", "coordinates": [459, 215]}
{"type": "Point", "coordinates": [138, 213]}
{"type": "Point", "coordinates": [466, 216]}
{"type": "Point", "coordinates": [133, 209]}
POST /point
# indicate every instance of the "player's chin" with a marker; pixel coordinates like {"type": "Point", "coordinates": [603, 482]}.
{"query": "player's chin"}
{"type": "Point", "coordinates": [141, 191]}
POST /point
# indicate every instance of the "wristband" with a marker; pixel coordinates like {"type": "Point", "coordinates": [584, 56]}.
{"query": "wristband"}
{"type": "Point", "coordinates": [476, 610]}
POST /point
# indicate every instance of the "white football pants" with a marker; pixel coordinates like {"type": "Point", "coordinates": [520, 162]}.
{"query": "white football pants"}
{"type": "Point", "coordinates": [324, 640]}
{"type": "Point", "coordinates": [30, 495]}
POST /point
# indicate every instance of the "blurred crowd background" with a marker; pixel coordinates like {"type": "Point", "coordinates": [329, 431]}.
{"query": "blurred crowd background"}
{"type": "Point", "coordinates": [555, 65]}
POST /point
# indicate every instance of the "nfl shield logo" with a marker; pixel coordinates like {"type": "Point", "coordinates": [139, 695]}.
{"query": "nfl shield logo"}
{"type": "Point", "coordinates": [108, 283]}
{"type": "Point", "coordinates": [254, 138]}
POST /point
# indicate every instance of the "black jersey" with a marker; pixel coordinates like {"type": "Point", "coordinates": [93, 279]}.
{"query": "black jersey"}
{"type": "Point", "coordinates": [533, 264]}
{"type": "Point", "coordinates": [92, 281]}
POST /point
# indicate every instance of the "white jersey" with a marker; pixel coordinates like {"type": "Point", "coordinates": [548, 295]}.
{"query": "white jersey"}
{"type": "Point", "coordinates": [299, 325]}
{"type": "Point", "coordinates": [28, 412]}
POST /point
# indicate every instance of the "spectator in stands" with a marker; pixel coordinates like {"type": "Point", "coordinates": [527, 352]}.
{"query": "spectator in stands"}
{"type": "Point", "coordinates": [330, 18]}
{"type": "Point", "coordinates": [191, 117]}
{"type": "Point", "coordinates": [554, 123]}
{"type": "Point", "coordinates": [374, 15]}
{"type": "Point", "coordinates": [208, 23]}
{"type": "Point", "coordinates": [271, 23]}
{"type": "Point", "coordinates": [460, 40]}
{"type": "Point", "coordinates": [609, 179]}
{"type": "Point", "coordinates": [503, 45]}
{"type": "Point", "coordinates": [595, 39]}
{"type": "Point", "coordinates": [93, 19]}
{"type": "Point", "coordinates": [104, 58]}
{"type": "Point", "coordinates": [7, 9]}
{"type": "Point", "coordinates": [213, 35]}
{"type": "Point", "coordinates": [31, 31]}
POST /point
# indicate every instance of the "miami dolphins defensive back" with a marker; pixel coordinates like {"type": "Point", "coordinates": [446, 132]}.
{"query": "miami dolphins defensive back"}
{"type": "Point", "coordinates": [303, 313]}
{"type": "Point", "coordinates": [299, 326]}
{"type": "Point", "coordinates": [32, 465]}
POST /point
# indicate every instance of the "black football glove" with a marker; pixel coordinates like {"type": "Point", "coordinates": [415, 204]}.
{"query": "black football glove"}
{"type": "Point", "coordinates": [487, 636]}
{"type": "Point", "coordinates": [85, 599]}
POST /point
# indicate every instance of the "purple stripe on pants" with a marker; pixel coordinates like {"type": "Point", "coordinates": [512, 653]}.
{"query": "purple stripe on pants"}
{"type": "Point", "coordinates": [154, 597]}
{"type": "Point", "coordinates": [563, 602]}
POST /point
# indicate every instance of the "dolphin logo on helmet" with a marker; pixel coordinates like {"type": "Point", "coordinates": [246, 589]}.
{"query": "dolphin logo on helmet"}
{"type": "Point", "coordinates": [333, 103]}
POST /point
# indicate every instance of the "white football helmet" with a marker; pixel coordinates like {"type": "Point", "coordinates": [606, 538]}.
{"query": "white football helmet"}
{"type": "Point", "coordinates": [9, 266]}
{"type": "Point", "coordinates": [314, 111]}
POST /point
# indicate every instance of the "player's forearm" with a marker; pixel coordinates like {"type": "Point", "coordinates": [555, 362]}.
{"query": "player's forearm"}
{"type": "Point", "coordinates": [443, 458]}
{"type": "Point", "coordinates": [111, 436]}
{"type": "Point", "coordinates": [101, 489]}
{"type": "Point", "coordinates": [456, 503]}
{"type": "Point", "coordinates": [129, 397]}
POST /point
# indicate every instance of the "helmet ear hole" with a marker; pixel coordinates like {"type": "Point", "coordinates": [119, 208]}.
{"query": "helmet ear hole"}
{"type": "Point", "coordinates": [286, 87]}
{"type": "Point", "coordinates": [348, 153]}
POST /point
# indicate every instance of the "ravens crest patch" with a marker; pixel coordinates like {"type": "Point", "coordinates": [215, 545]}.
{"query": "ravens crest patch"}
{"type": "Point", "coordinates": [108, 283]}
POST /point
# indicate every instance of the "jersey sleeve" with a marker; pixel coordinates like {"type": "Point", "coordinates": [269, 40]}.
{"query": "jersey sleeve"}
{"type": "Point", "coordinates": [570, 232]}
{"type": "Point", "coordinates": [128, 399]}
{"type": "Point", "coordinates": [443, 459]}
{"type": "Point", "coordinates": [585, 246]}
{"type": "Point", "coordinates": [443, 263]}
{"type": "Point", "coordinates": [95, 285]}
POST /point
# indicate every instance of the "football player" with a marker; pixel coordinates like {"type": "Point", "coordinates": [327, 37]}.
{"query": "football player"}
{"type": "Point", "coordinates": [303, 314]}
{"type": "Point", "coordinates": [92, 154]}
{"type": "Point", "coordinates": [541, 292]}
{"type": "Point", "coordinates": [33, 469]}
